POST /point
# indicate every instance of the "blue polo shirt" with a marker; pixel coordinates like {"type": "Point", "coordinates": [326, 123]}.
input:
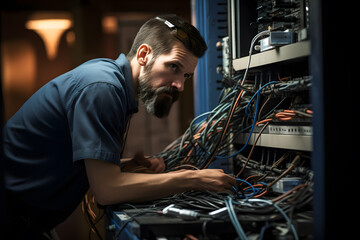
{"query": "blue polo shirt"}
{"type": "Point", "coordinates": [78, 115]}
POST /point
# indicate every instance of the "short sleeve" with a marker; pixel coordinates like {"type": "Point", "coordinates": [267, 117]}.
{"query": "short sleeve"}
{"type": "Point", "coordinates": [97, 122]}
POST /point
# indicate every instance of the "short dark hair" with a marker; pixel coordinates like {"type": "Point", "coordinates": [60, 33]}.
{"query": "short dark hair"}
{"type": "Point", "coordinates": [161, 32]}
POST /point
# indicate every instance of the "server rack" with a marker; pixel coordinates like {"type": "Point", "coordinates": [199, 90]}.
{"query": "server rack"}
{"type": "Point", "coordinates": [273, 63]}
{"type": "Point", "coordinates": [332, 64]}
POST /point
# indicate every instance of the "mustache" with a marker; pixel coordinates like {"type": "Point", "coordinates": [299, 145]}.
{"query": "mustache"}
{"type": "Point", "coordinates": [172, 91]}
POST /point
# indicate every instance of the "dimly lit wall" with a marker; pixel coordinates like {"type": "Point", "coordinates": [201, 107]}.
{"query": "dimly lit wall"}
{"type": "Point", "coordinates": [25, 66]}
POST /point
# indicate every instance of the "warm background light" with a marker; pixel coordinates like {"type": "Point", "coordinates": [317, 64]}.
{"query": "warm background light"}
{"type": "Point", "coordinates": [109, 24]}
{"type": "Point", "coordinates": [50, 27]}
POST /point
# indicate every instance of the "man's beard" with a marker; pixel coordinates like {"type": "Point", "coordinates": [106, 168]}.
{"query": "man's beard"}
{"type": "Point", "coordinates": [156, 100]}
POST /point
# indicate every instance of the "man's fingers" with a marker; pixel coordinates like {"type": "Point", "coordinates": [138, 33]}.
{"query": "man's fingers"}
{"type": "Point", "coordinates": [215, 180]}
{"type": "Point", "coordinates": [157, 164]}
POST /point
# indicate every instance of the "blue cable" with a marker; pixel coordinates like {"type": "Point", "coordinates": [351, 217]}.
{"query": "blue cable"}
{"type": "Point", "coordinates": [252, 187]}
{"type": "Point", "coordinates": [115, 223]}
{"type": "Point", "coordinates": [234, 220]}
{"type": "Point", "coordinates": [257, 94]}
{"type": "Point", "coordinates": [251, 130]}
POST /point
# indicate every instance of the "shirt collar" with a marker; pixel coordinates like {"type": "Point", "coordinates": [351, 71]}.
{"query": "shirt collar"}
{"type": "Point", "coordinates": [124, 65]}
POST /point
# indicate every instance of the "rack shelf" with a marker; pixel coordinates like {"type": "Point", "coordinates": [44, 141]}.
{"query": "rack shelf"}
{"type": "Point", "coordinates": [284, 53]}
{"type": "Point", "coordinates": [294, 142]}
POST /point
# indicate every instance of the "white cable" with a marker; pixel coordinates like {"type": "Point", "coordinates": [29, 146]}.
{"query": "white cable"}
{"type": "Point", "coordinates": [260, 34]}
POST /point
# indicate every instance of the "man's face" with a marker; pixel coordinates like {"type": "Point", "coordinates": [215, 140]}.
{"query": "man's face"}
{"type": "Point", "coordinates": [163, 78]}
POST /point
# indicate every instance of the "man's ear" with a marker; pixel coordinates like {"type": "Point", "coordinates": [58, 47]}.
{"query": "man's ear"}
{"type": "Point", "coordinates": [143, 54]}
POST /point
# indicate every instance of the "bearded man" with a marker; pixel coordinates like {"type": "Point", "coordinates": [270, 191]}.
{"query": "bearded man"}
{"type": "Point", "coordinates": [70, 134]}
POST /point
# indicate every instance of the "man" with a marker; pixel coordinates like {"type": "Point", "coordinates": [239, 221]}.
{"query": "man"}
{"type": "Point", "coordinates": [70, 134]}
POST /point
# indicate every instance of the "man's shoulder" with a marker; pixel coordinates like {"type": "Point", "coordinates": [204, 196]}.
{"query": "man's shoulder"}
{"type": "Point", "coordinates": [100, 70]}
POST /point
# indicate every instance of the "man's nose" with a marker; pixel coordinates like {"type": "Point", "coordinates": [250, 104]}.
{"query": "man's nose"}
{"type": "Point", "coordinates": [179, 84]}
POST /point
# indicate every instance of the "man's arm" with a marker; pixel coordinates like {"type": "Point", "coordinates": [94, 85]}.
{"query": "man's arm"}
{"type": "Point", "coordinates": [111, 186]}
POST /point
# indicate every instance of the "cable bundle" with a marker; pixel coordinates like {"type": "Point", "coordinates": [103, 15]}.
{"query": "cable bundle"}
{"type": "Point", "coordinates": [239, 109]}
{"type": "Point", "coordinates": [204, 140]}
{"type": "Point", "coordinates": [206, 133]}
{"type": "Point", "coordinates": [265, 213]}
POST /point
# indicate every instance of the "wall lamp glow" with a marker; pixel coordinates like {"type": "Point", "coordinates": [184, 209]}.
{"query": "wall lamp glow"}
{"type": "Point", "coordinates": [50, 27]}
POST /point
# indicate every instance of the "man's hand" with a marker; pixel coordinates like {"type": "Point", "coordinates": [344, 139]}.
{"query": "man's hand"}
{"type": "Point", "coordinates": [156, 165]}
{"type": "Point", "coordinates": [213, 180]}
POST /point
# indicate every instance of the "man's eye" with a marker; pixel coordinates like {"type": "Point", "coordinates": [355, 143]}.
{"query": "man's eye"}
{"type": "Point", "coordinates": [173, 66]}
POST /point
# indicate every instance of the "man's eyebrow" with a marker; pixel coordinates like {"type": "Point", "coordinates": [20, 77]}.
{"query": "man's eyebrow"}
{"type": "Point", "coordinates": [178, 63]}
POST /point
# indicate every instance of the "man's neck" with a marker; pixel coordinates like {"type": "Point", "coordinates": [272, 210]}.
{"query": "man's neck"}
{"type": "Point", "coordinates": [135, 72]}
